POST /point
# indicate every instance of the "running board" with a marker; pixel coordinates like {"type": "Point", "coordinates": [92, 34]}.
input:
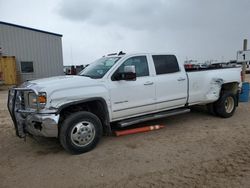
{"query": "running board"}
{"type": "Point", "coordinates": [159, 115]}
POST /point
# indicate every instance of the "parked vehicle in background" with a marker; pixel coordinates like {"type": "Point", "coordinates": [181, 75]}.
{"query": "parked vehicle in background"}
{"type": "Point", "coordinates": [122, 89]}
{"type": "Point", "coordinates": [73, 69]}
{"type": "Point", "coordinates": [247, 66]}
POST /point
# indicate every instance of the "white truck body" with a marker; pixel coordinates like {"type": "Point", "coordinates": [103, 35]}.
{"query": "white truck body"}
{"type": "Point", "coordinates": [127, 99]}
{"type": "Point", "coordinates": [124, 99]}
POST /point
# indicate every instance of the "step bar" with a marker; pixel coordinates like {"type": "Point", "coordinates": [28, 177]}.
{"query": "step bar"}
{"type": "Point", "coordinates": [140, 119]}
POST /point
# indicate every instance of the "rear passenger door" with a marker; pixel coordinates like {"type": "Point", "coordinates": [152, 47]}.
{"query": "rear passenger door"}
{"type": "Point", "coordinates": [171, 82]}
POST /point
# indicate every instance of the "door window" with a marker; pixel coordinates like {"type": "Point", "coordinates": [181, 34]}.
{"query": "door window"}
{"type": "Point", "coordinates": [140, 63]}
{"type": "Point", "coordinates": [165, 64]}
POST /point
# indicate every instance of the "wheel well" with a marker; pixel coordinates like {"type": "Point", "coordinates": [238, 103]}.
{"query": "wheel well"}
{"type": "Point", "coordinates": [97, 107]}
{"type": "Point", "coordinates": [233, 87]}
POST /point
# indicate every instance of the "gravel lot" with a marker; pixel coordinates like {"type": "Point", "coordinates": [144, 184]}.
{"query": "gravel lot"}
{"type": "Point", "coordinates": [193, 150]}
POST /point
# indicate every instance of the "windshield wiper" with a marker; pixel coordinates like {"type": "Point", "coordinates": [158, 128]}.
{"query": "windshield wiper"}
{"type": "Point", "coordinates": [85, 75]}
{"type": "Point", "coordinates": [93, 77]}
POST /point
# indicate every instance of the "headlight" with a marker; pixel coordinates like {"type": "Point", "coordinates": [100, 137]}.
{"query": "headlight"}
{"type": "Point", "coordinates": [40, 100]}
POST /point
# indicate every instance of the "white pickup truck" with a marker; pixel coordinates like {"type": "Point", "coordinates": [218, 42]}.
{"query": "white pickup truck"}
{"type": "Point", "coordinates": [118, 89]}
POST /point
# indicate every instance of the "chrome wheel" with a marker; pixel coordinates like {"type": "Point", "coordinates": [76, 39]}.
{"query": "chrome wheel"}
{"type": "Point", "coordinates": [229, 104]}
{"type": "Point", "coordinates": [82, 133]}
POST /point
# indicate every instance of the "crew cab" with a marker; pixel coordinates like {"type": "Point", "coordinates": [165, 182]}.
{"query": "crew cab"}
{"type": "Point", "coordinates": [118, 89]}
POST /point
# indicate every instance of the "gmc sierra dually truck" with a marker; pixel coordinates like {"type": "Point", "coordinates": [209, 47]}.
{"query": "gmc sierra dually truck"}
{"type": "Point", "coordinates": [118, 89]}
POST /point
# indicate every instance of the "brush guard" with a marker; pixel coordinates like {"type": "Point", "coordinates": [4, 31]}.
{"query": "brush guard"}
{"type": "Point", "coordinates": [17, 109]}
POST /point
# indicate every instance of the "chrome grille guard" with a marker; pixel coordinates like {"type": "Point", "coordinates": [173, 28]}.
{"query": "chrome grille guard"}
{"type": "Point", "coordinates": [15, 108]}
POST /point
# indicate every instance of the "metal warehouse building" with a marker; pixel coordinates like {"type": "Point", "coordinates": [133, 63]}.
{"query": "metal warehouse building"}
{"type": "Point", "coordinates": [38, 54]}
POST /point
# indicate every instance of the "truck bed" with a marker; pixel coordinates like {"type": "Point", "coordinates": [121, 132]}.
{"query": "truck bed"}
{"type": "Point", "coordinates": [205, 84]}
{"type": "Point", "coordinates": [204, 67]}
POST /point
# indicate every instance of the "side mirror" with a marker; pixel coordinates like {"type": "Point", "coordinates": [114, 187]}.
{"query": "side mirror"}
{"type": "Point", "coordinates": [128, 74]}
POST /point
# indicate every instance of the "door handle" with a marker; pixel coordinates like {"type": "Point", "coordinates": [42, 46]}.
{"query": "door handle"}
{"type": "Point", "coordinates": [181, 79]}
{"type": "Point", "coordinates": [148, 83]}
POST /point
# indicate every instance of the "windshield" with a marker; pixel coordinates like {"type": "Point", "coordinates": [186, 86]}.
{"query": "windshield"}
{"type": "Point", "coordinates": [99, 68]}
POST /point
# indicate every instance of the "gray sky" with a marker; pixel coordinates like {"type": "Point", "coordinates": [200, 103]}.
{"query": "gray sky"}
{"type": "Point", "coordinates": [194, 29]}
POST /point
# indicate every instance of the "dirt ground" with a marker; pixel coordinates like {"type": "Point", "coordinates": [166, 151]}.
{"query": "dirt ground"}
{"type": "Point", "coordinates": [193, 150]}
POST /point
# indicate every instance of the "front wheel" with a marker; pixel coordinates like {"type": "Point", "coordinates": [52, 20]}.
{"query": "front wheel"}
{"type": "Point", "coordinates": [226, 105]}
{"type": "Point", "coordinates": [80, 132]}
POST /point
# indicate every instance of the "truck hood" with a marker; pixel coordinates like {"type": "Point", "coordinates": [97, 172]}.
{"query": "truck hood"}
{"type": "Point", "coordinates": [65, 89]}
{"type": "Point", "coordinates": [60, 83]}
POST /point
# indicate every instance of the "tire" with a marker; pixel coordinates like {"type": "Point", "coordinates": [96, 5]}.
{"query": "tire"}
{"type": "Point", "coordinates": [226, 105]}
{"type": "Point", "coordinates": [80, 132]}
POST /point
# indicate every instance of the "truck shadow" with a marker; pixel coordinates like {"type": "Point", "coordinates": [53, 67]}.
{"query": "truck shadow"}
{"type": "Point", "coordinates": [45, 146]}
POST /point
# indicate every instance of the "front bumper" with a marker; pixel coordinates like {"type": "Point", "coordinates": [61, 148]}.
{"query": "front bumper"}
{"type": "Point", "coordinates": [30, 121]}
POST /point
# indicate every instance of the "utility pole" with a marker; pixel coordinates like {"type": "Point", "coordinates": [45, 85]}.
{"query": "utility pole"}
{"type": "Point", "coordinates": [244, 63]}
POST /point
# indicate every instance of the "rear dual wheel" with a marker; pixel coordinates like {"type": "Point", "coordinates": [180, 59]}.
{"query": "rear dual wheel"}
{"type": "Point", "coordinates": [225, 106]}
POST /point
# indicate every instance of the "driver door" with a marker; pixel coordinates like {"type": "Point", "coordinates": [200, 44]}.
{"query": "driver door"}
{"type": "Point", "coordinates": [133, 98]}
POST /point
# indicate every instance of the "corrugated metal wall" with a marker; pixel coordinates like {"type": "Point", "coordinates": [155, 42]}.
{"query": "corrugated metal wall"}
{"type": "Point", "coordinates": [44, 50]}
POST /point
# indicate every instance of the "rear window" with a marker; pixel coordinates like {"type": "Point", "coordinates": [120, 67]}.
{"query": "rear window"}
{"type": "Point", "coordinates": [165, 64]}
